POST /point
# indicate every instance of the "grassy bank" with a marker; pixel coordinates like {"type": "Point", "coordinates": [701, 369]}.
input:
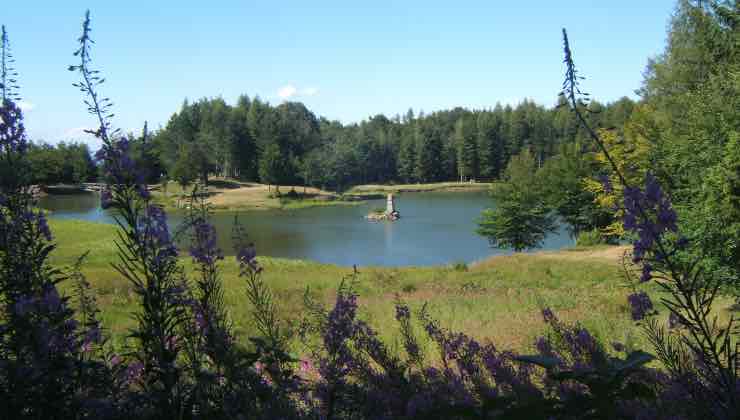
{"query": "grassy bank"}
{"type": "Point", "coordinates": [235, 195]}
{"type": "Point", "coordinates": [498, 299]}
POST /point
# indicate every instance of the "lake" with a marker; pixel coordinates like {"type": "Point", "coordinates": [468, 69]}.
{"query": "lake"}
{"type": "Point", "coordinates": [435, 228]}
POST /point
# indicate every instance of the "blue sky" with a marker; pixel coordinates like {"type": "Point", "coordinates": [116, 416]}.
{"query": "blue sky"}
{"type": "Point", "coordinates": [345, 60]}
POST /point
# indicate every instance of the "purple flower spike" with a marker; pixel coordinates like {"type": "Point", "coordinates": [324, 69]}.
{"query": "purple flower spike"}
{"type": "Point", "coordinates": [402, 312]}
{"type": "Point", "coordinates": [606, 183]}
{"type": "Point", "coordinates": [649, 215]}
{"type": "Point", "coordinates": [646, 273]}
{"type": "Point", "coordinates": [43, 225]}
{"type": "Point", "coordinates": [204, 249]}
{"type": "Point", "coordinates": [641, 305]}
{"type": "Point", "coordinates": [548, 315]}
{"type": "Point", "coordinates": [12, 130]}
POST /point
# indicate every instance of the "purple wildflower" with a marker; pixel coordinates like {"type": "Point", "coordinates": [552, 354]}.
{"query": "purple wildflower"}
{"type": "Point", "coordinates": [543, 346]}
{"type": "Point", "coordinates": [134, 371]}
{"type": "Point", "coordinates": [641, 305]}
{"type": "Point", "coordinates": [606, 183]}
{"type": "Point", "coordinates": [12, 130]}
{"type": "Point", "coordinates": [402, 312]}
{"type": "Point", "coordinates": [584, 340]}
{"type": "Point", "coordinates": [646, 273]}
{"type": "Point", "coordinates": [200, 320]}
{"type": "Point", "coordinates": [245, 256]}
{"type": "Point", "coordinates": [341, 325]}
{"type": "Point", "coordinates": [43, 225]}
{"type": "Point", "coordinates": [92, 336]}
{"type": "Point", "coordinates": [143, 191]}
{"type": "Point", "coordinates": [548, 315]}
{"type": "Point", "coordinates": [204, 249]}
{"type": "Point", "coordinates": [156, 233]}
{"type": "Point", "coordinates": [649, 215]}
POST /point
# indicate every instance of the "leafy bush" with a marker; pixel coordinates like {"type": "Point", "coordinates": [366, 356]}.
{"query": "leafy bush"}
{"type": "Point", "coordinates": [590, 238]}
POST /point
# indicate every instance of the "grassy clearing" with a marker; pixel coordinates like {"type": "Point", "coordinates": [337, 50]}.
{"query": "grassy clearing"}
{"type": "Point", "coordinates": [235, 195]}
{"type": "Point", "coordinates": [498, 299]}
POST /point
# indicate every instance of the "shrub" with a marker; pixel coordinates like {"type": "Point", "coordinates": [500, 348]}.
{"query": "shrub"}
{"type": "Point", "coordinates": [590, 238]}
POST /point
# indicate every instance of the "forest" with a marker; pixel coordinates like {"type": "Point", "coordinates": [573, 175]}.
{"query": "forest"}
{"type": "Point", "coordinates": [288, 144]}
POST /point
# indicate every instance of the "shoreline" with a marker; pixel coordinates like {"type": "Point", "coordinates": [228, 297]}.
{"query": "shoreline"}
{"type": "Point", "coordinates": [230, 195]}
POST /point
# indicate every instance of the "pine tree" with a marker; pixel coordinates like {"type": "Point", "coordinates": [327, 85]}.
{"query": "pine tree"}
{"type": "Point", "coordinates": [467, 148]}
{"type": "Point", "coordinates": [429, 153]}
{"type": "Point", "coordinates": [272, 166]}
{"type": "Point", "coordinates": [490, 144]}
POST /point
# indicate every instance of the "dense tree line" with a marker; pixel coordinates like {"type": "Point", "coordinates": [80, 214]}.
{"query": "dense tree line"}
{"type": "Point", "coordinates": [64, 163]}
{"type": "Point", "coordinates": [288, 144]}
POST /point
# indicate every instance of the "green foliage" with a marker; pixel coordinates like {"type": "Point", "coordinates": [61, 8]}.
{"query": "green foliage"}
{"type": "Point", "coordinates": [272, 165]}
{"type": "Point", "coordinates": [183, 171]}
{"type": "Point", "coordinates": [561, 178]}
{"type": "Point", "coordinates": [429, 153]}
{"type": "Point", "coordinates": [491, 145]}
{"type": "Point", "coordinates": [65, 163]}
{"type": "Point", "coordinates": [456, 144]}
{"type": "Point", "coordinates": [407, 159]}
{"type": "Point", "coordinates": [692, 97]}
{"type": "Point", "coordinates": [467, 148]}
{"type": "Point", "coordinates": [520, 219]}
{"type": "Point", "coordinates": [590, 238]}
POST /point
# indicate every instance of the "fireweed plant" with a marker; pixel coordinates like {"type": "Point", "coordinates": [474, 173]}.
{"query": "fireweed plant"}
{"type": "Point", "coordinates": [183, 360]}
{"type": "Point", "coordinates": [699, 353]}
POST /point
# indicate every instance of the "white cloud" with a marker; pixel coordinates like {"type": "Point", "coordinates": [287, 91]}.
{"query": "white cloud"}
{"type": "Point", "coordinates": [289, 91]}
{"type": "Point", "coordinates": [26, 106]}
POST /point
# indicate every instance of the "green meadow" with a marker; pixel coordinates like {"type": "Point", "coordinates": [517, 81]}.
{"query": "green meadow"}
{"type": "Point", "coordinates": [497, 300]}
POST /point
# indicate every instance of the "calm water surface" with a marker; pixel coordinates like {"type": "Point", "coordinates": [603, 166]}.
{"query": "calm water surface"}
{"type": "Point", "coordinates": [435, 228]}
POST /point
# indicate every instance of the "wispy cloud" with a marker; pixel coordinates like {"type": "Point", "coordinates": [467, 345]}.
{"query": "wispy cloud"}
{"type": "Point", "coordinates": [289, 91]}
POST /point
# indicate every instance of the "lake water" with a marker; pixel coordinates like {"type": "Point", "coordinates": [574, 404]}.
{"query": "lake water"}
{"type": "Point", "coordinates": [435, 228]}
